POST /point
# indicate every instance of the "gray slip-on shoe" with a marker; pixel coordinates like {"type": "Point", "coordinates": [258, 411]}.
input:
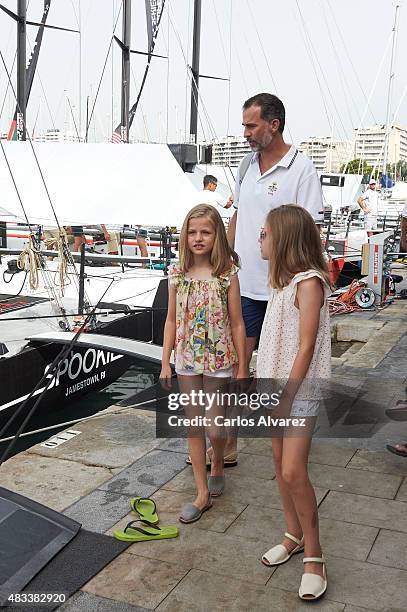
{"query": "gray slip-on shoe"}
{"type": "Point", "coordinates": [191, 513]}
{"type": "Point", "coordinates": [216, 485]}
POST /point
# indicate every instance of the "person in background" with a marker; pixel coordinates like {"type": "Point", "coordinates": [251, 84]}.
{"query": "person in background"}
{"type": "Point", "coordinates": [208, 194]}
{"type": "Point", "coordinates": [369, 203]}
{"type": "Point", "coordinates": [78, 235]}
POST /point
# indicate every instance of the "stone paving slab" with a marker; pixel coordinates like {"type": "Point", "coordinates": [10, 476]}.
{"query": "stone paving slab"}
{"type": "Point", "coordinates": [178, 445]}
{"type": "Point", "coordinates": [204, 591]}
{"type": "Point", "coordinates": [53, 482]}
{"type": "Point", "coordinates": [364, 510]}
{"type": "Point", "coordinates": [352, 582]}
{"type": "Point", "coordinates": [147, 474]}
{"type": "Point", "coordinates": [337, 537]}
{"type": "Point", "coordinates": [354, 481]}
{"type": "Point", "coordinates": [198, 549]}
{"type": "Point", "coordinates": [249, 464]}
{"type": "Point", "coordinates": [382, 462]}
{"type": "Point", "coordinates": [86, 602]}
{"type": "Point", "coordinates": [390, 549]}
{"type": "Point", "coordinates": [99, 510]}
{"type": "Point", "coordinates": [328, 453]}
{"type": "Point", "coordinates": [112, 441]}
{"type": "Point", "coordinates": [322, 451]}
{"type": "Point", "coordinates": [242, 489]}
{"type": "Point", "coordinates": [402, 494]}
{"type": "Point", "coordinates": [139, 581]}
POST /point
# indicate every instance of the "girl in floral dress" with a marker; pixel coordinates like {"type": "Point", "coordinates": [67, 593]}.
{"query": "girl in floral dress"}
{"type": "Point", "coordinates": [205, 327]}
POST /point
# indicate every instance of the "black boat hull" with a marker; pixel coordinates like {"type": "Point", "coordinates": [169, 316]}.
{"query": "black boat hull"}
{"type": "Point", "coordinates": [85, 370]}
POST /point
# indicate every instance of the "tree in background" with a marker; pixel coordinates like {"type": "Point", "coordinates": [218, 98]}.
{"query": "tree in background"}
{"type": "Point", "coordinates": [356, 166]}
{"type": "Point", "coordinates": [399, 169]}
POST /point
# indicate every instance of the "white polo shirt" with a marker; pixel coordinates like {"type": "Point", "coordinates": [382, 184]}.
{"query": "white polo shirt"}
{"type": "Point", "coordinates": [371, 200]}
{"type": "Point", "coordinates": [293, 180]}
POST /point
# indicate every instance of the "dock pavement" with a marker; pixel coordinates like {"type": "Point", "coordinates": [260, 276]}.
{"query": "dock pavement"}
{"type": "Point", "coordinates": [214, 564]}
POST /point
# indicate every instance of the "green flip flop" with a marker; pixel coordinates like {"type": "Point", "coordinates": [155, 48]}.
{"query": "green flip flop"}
{"type": "Point", "coordinates": [145, 508]}
{"type": "Point", "coordinates": [131, 533]}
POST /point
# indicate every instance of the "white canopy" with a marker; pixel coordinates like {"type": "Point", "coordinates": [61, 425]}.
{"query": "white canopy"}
{"type": "Point", "coordinates": [107, 183]}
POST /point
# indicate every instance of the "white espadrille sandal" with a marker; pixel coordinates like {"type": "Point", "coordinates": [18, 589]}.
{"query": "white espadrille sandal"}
{"type": "Point", "coordinates": [313, 586]}
{"type": "Point", "coordinates": [279, 554]}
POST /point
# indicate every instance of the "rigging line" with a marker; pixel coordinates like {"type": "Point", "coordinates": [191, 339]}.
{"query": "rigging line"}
{"type": "Point", "coordinates": [262, 47]}
{"type": "Point", "coordinates": [167, 94]}
{"type": "Point", "coordinates": [104, 68]}
{"type": "Point", "coordinates": [370, 96]}
{"type": "Point", "coordinates": [43, 91]}
{"type": "Point", "coordinates": [242, 74]}
{"type": "Point", "coordinates": [230, 66]}
{"type": "Point", "coordinates": [31, 144]}
{"type": "Point", "coordinates": [350, 59]}
{"type": "Point", "coordinates": [50, 374]}
{"type": "Point", "coordinates": [68, 255]}
{"type": "Point", "coordinates": [15, 184]}
{"type": "Point", "coordinates": [323, 98]}
{"type": "Point", "coordinates": [143, 117]}
{"type": "Point", "coordinates": [73, 117]}
{"type": "Point", "coordinates": [348, 93]}
{"type": "Point", "coordinates": [8, 85]}
{"type": "Point", "coordinates": [205, 111]}
{"type": "Point", "coordinates": [322, 71]}
{"type": "Point", "coordinates": [266, 59]}
{"type": "Point", "coordinates": [187, 82]}
{"type": "Point", "coordinates": [190, 76]}
{"type": "Point", "coordinates": [227, 62]}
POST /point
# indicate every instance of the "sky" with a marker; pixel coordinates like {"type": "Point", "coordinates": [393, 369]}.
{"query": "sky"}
{"type": "Point", "coordinates": [328, 60]}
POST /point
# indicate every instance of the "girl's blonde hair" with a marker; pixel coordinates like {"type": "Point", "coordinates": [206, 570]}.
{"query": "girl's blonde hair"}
{"type": "Point", "coordinates": [295, 245]}
{"type": "Point", "coordinates": [222, 255]}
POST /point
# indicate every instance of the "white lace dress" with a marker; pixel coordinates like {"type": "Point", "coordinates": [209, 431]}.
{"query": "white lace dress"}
{"type": "Point", "coordinates": [279, 344]}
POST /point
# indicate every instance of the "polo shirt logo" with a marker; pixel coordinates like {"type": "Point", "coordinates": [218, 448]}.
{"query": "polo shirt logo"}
{"type": "Point", "coordinates": [272, 188]}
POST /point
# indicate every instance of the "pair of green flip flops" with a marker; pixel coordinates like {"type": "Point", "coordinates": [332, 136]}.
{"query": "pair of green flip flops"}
{"type": "Point", "coordinates": [149, 530]}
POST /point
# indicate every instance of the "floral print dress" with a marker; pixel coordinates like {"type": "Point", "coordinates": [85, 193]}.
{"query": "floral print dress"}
{"type": "Point", "coordinates": [203, 337]}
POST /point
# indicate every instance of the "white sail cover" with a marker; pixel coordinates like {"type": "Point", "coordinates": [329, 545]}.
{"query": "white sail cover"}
{"type": "Point", "coordinates": [96, 183]}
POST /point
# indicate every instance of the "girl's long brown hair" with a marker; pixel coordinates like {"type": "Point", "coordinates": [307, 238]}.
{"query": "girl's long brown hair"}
{"type": "Point", "coordinates": [295, 245]}
{"type": "Point", "coordinates": [222, 255]}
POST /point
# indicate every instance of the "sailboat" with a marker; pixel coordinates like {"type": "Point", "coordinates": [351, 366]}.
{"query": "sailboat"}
{"type": "Point", "coordinates": [44, 303]}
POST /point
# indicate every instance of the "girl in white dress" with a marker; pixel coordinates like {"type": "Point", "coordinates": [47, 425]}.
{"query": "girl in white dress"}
{"type": "Point", "coordinates": [295, 348]}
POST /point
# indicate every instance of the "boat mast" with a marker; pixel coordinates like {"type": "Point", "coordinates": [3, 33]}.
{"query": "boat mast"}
{"type": "Point", "coordinates": [21, 66]}
{"type": "Point", "coordinates": [126, 70]}
{"type": "Point", "coordinates": [389, 92]}
{"type": "Point", "coordinates": [196, 46]}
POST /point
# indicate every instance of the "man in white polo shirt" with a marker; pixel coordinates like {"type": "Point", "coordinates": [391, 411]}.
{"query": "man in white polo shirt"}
{"type": "Point", "coordinates": [369, 203]}
{"type": "Point", "coordinates": [277, 173]}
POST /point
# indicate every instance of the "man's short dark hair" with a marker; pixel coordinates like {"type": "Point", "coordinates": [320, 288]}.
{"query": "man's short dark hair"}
{"type": "Point", "coordinates": [209, 178]}
{"type": "Point", "coordinates": [271, 108]}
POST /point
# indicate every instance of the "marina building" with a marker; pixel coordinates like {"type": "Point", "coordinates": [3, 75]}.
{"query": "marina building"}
{"type": "Point", "coordinates": [229, 151]}
{"type": "Point", "coordinates": [327, 154]}
{"type": "Point", "coordinates": [369, 144]}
